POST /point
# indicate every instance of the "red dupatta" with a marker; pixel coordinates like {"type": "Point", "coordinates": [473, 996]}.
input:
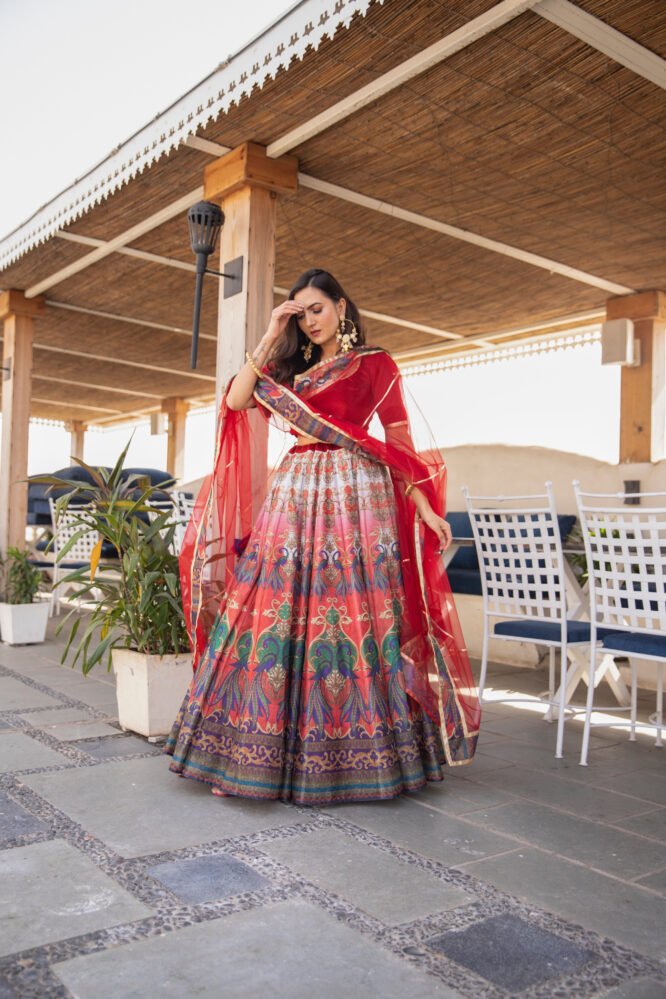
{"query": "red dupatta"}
{"type": "Point", "coordinates": [436, 665]}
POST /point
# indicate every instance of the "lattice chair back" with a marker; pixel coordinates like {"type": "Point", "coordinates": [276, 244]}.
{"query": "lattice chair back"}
{"type": "Point", "coordinates": [626, 559]}
{"type": "Point", "coordinates": [66, 525]}
{"type": "Point", "coordinates": [519, 549]}
{"type": "Point", "coordinates": [184, 505]}
{"type": "Point", "coordinates": [185, 509]}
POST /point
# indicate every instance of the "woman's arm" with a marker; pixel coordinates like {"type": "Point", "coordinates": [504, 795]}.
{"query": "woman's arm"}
{"type": "Point", "coordinates": [241, 389]}
{"type": "Point", "coordinates": [399, 434]}
{"type": "Point", "coordinates": [393, 414]}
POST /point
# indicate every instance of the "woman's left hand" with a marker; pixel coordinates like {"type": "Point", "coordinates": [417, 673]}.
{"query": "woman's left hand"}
{"type": "Point", "coordinates": [439, 526]}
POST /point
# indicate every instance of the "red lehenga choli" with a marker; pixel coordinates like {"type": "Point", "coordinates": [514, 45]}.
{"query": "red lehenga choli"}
{"type": "Point", "coordinates": [329, 662]}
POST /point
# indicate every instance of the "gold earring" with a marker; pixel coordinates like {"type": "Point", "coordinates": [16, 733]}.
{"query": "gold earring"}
{"type": "Point", "coordinates": [345, 339]}
{"type": "Point", "coordinates": [307, 351]}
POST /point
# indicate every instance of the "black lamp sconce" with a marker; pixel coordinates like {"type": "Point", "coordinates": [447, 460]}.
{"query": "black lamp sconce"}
{"type": "Point", "coordinates": [205, 219]}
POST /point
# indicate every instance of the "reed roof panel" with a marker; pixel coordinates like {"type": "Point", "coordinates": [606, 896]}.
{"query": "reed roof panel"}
{"type": "Point", "coordinates": [396, 268]}
{"type": "Point", "coordinates": [141, 289]}
{"type": "Point", "coordinates": [528, 136]}
{"type": "Point", "coordinates": [127, 341]}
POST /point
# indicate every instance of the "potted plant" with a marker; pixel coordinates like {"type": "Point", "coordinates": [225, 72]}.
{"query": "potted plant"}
{"type": "Point", "coordinates": [22, 621]}
{"type": "Point", "coordinates": [136, 622]}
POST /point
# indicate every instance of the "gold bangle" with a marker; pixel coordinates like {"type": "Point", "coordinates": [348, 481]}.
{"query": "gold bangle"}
{"type": "Point", "coordinates": [409, 488]}
{"type": "Point", "coordinates": [251, 361]}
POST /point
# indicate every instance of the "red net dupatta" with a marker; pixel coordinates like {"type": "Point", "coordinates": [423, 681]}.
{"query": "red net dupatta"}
{"type": "Point", "coordinates": [224, 512]}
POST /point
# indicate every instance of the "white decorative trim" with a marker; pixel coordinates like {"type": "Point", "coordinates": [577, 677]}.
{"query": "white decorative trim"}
{"type": "Point", "coordinates": [302, 27]}
{"type": "Point", "coordinates": [576, 338]}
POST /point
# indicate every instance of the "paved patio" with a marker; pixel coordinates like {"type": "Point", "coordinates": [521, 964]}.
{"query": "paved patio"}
{"type": "Point", "coordinates": [518, 876]}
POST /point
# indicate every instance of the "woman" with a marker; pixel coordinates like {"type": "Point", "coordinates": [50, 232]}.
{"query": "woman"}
{"type": "Point", "coordinates": [329, 663]}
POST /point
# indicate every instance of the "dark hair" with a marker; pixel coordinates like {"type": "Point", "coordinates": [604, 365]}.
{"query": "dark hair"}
{"type": "Point", "coordinates": [288, 359]}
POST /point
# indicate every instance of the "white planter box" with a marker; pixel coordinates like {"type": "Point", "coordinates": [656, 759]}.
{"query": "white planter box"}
{"type": "Point", "coordinates": [150, 689]}
{"type": "Point", "coordinates": [23, 624]}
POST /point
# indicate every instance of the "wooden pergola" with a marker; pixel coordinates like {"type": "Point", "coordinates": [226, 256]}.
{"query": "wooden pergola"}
{"type": "Point", "coordinates": [474, 172]}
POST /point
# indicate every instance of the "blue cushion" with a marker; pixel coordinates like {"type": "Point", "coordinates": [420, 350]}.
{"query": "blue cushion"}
{"type": "Point", "coordinates": [461, 527]}
{"type": "Point", "coordinates": [465, 580]}
{"type": "Point", "coordinates": [547, 631]}
{"type": "Point", "coordinates": [565, 522]}
{"type": "Point", "coordinates": [62, 565]}
{"type": "Point", "coordinates": [636, 644]}
{"type": "Point", "coordinates": [155, 476]}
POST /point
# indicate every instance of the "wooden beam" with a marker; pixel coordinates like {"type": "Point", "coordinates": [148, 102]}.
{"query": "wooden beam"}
{"type": "Point", "coordinates": [129, 364]}
{"type": "Point", "coordinates": [77, 405]}
{"type": "Point", "coordinates": [18, 317]}
{"type": "Point", "coordinates": [600, 36]}
{"type": "Point", "coordinates": [407, 324]}
{"type": "Point", "coordinates": [249, 166]}
{"type": "Point", "coordinates": [125, 319]}
{"type": "Point", "coordinates": [127, 251]}
{"type": "Point", "coordinates": [128, 236]}
{"type": "Point", "coordinates": [176, 410]}
{"type": "Point", "coordinates": [643, 402]}
{"type": "Point", "coordinates": [94, 385]}
{"type": "Point", "coordinates": [396, 77]}
{"type": "Point", "coordinates": [14, 303]}
{"type": "Point", "coordinates": [77, 438]}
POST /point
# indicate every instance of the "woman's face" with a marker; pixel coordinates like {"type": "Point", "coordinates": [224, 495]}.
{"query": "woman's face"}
{"type": "Point", "coordinates": [321, 318]}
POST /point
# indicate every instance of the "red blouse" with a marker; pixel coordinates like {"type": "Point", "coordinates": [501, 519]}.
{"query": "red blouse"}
{"type": "Point", "coordinates": [371, 386]}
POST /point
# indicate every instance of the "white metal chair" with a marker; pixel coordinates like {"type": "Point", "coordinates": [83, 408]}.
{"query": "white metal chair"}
{"type": "Point", "coordinates": [519, 549]}
{"type": "Point", "coordinates": [184, 511]}
{"type": "Point", "coordinates": [626, 558]}
{"type": "Point", "coordinates": [66, 525]}
{"type": "Point", "coordinates": [180, 506]}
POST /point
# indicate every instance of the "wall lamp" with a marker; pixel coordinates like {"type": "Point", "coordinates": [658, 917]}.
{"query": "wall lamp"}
{"type": "Point", "coordinates": [205, 219]}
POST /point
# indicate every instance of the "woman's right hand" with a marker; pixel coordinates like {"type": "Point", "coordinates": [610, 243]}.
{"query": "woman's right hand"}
{"type": "Point", "coordinates": [280, 316]}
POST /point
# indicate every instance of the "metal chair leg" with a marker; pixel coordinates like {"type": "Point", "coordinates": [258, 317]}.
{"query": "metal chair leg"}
{"type": "Point", "coordinates": [588, 707]}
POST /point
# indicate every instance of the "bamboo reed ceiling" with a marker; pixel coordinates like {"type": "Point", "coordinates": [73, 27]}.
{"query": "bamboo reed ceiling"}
{"type": "Point", "coordinates": [528, 136]}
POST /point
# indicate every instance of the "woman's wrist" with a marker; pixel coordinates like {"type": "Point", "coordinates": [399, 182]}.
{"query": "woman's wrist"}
{"type": "Point", "coordinates": [253, 364]}
{"type": "Point", "coordinates": [261, 351]}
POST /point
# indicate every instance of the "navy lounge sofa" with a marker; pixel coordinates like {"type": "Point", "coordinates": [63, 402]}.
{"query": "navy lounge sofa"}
{"type": "Point", "coordinates": [39, 514]}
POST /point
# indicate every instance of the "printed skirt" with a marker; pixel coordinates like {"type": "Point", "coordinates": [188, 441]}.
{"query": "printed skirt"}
{"type": "Point", "coordinates": [300, 694]}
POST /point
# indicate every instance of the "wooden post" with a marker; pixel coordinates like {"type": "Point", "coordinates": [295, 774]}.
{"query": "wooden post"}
{"type": "Point", "coordinates": [643, 388]}
{"type": "Point", "coordinates": [247, 184]}
{"type": "Point", "coordinates": [17, 313]}
{"type": "Point", "coordinates": [77, 438]}
{"type": "Point", "coordinates": [176, 410]}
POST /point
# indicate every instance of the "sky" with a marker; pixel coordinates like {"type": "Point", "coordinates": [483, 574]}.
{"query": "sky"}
{"type": "Point", "coordinates": [63, 61]}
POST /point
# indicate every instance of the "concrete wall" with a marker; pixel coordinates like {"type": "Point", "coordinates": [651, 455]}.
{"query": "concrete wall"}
{"type": "Point", "coordinates": [498, 468]}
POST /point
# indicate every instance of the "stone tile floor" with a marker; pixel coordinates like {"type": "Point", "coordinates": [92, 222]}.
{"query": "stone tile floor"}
{"type": "Point", "coordinates": [520, 875]}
